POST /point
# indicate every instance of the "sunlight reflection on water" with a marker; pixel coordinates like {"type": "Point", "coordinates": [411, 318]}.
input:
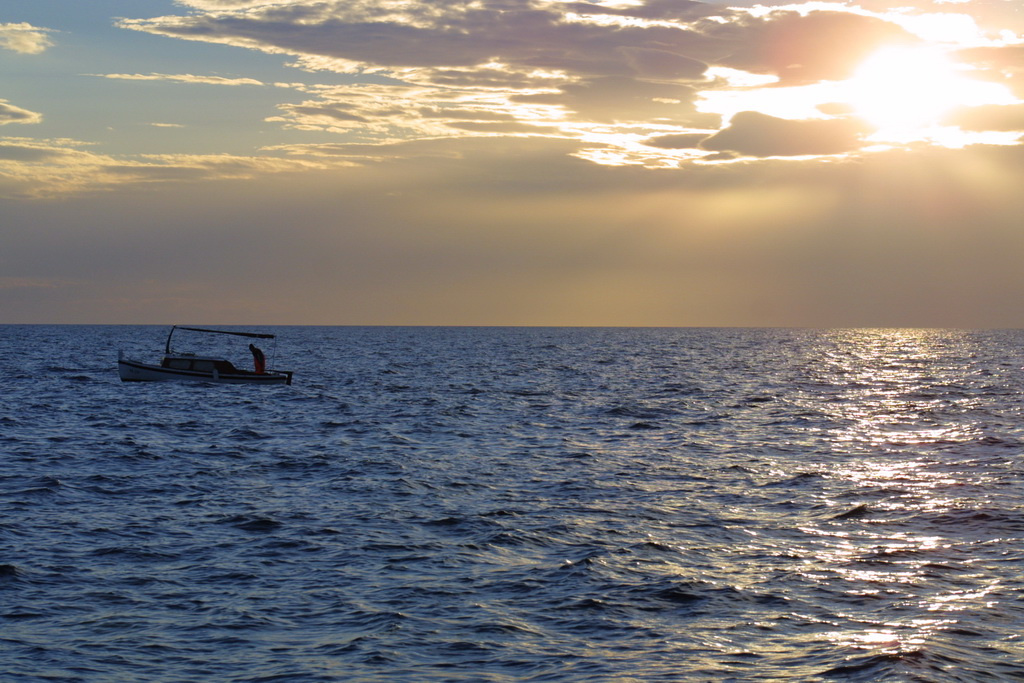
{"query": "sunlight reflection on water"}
{"type": "Point", "coordinates": [892, 407]}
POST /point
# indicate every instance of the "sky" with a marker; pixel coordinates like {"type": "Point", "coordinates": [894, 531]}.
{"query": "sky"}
{"type": "Point", "coordinates": [512, 162]}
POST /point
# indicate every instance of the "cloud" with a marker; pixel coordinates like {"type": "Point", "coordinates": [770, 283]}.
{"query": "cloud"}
{"type": "Point", "coordinates": [24, 38]}
{"type": "Point", "coordinates": [614, 85]}
{"type": "Point", "coordinates": [12, 114]}
{"type": "Point", "coordinates": [754, 134]}
{"type": "Point", "coordinates": [387, 35]}
{"type": "Point", "coordinates": [1008, 57]}
{"type": "Point", "coordinates": [527, 65]}
{"type": "Point", "coordinates": [609, 76]}
{"type": "Point", "coordinates": [617, 98]}
{"type": "Point", "coordinates": [48, 168]}
{"type": "Point", "coordinates": [317, 115]}
{"type": "Point", "coordinates": [677, 141]}
{"type": "Point", "coordinates": [31, 283]}
{"type": "Point", "coordinates": [662, 64]}
{"type": "Point", "coordinates": [183, 78]}
{"type": "Point", "coordinates": [1002, 64]}
{"type": "Point", "coordinates": [992, 117]}
{"type": "Point", "coordinates": [390, 113]}
{"type": "Point", "coordinates": [24, 149]}
{"type": "Point", "coordinates": [807, 47]}
{"type": "Point", "coordinates": [231, 4]}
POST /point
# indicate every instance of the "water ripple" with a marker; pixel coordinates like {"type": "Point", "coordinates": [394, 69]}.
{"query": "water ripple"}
{"type": "Point", "coordinates": [458, 504]}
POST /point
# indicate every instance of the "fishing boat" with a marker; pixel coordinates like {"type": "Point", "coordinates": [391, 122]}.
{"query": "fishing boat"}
{"type": "Point", "coordinates": [190, 367]}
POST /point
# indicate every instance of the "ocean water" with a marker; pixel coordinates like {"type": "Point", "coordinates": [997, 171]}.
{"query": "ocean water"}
{"type": "Point", "coordinates": [504, 504]}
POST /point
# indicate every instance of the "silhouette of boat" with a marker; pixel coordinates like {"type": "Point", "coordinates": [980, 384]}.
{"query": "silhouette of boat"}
{"type": "Point", "coordinates": [190, 367]}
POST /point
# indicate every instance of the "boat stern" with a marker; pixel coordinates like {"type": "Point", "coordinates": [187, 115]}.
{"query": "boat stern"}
{"type": "Point", "coordinates": [127, 370]}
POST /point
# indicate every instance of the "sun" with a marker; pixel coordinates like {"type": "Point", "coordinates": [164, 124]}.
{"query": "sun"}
{"type": "Point", "coordinates": [904, 87]}
{"type": "Point", "coordinates": [906, 91]}
{"type": "Point", "coordinates": [905, 94]}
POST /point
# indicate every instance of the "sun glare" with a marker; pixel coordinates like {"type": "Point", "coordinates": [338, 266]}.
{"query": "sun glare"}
{"type": "Point", "coordinates": [904, 88]}
{"type": "Point", "coordinates": [901, 87]}
{"type": "Point", "coordinates": [905, 91]}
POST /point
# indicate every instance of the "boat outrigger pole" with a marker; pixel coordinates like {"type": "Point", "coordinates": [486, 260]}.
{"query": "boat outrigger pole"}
{"type": "Point", "coordinates": [255, 335]}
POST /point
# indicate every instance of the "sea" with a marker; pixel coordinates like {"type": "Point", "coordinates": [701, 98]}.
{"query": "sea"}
{"type": "Point", "coordinates": [516, 504]}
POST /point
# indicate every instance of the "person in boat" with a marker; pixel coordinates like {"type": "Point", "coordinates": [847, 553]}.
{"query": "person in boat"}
{"type": "Point", "coordinates": [259, 361]}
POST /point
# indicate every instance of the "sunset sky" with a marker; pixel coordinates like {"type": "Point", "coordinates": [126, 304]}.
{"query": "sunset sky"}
{"type": "Point", "coordinates": [512, 162]}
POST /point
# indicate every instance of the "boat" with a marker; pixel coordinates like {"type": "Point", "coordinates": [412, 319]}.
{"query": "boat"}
{"type": "Point", "coordinates": [189, 367]}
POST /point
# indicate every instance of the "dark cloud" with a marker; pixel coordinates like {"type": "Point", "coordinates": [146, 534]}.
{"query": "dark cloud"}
{"type": "Point", "coordinates": [463, 114]}
{"type": "Point", "coordinates": [664, 10]}
{"type": "Point", "coordinates": [754, 134]}
{"type": "Point", "coordinates": [440, 36]}
{"type": "Point", "coordinates": [680, 141]}
{"type": "Point", "coordinates": [336, 113]}
{"type": "Point", "coordinates": [222, 4]}
{"type": "Point", "coordinates": [480, 77]}
{"type": "Point", "coordinates": [805, 48]}
{"type": "Point", "coordinates": [663, 64]}
{"type": "Point", "coordinates": [496, 127]}
{"type": "Point", "coordinates": [162, 173]}
{"type": "Point", "coordinates": [619, 98]}
{"type": "Point", "coordinates": [29, 153]}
